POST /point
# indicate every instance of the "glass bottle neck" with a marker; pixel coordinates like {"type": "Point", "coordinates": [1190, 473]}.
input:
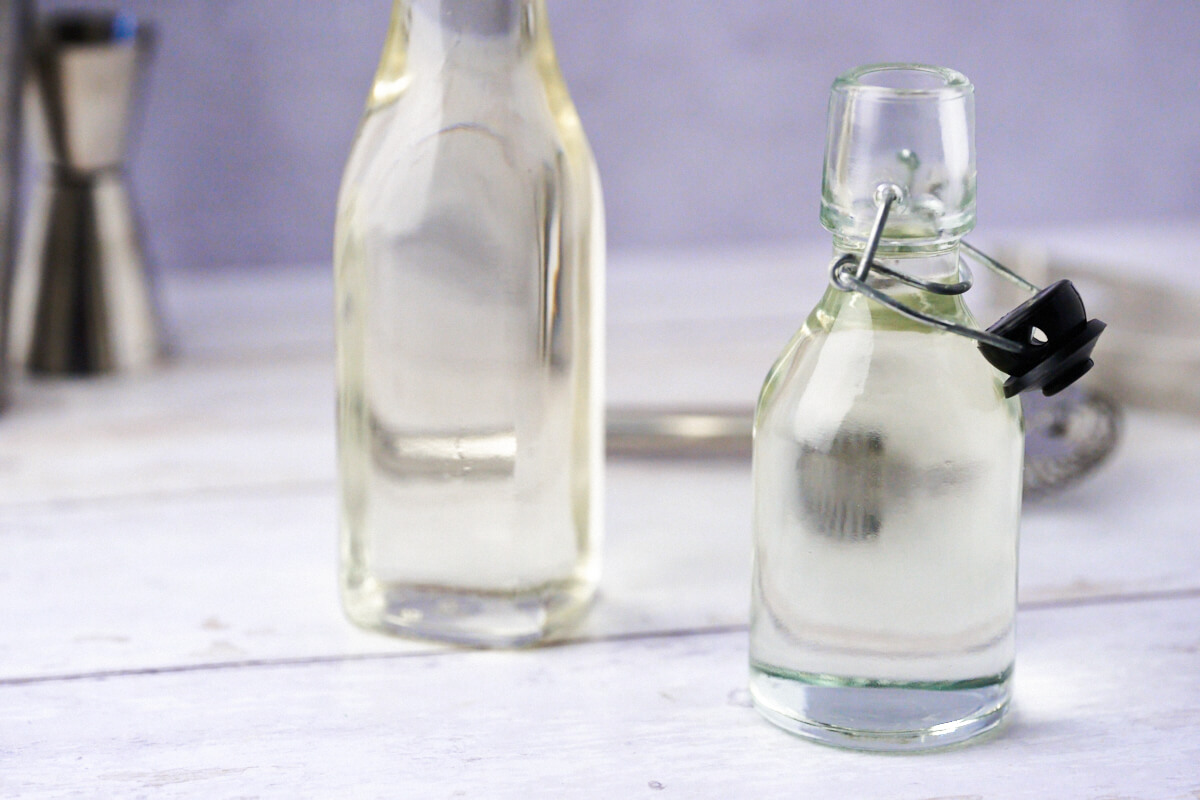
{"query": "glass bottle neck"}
{"type": "Point", "coordinates": [939, 262]}
{"type": "Point", "coordinates": [431, 36]}
{"type": "Point", "coordinates": [855, 309]}
{"type": "Point", "coordinates": [502, 24]}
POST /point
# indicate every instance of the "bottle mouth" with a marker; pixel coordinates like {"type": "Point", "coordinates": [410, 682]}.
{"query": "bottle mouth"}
{"type": "Point", "coordinates": [914, 81]}
{"type": "Point", "coordinates": [908, 127]}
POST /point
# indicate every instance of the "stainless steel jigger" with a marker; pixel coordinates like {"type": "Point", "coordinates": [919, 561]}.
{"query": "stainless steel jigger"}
{"type": "Point", "coordinates": [15, 19]}
{"type": "Point", "coordinates": [82, 303]}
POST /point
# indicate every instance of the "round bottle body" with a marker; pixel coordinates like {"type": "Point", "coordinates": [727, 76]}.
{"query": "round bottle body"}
{"type": "Point", "coordinates": [887, 488]}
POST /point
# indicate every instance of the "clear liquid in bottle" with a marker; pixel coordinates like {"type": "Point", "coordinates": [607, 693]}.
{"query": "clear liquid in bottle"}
{"type": "Point", "coordinates": [887, 495]}
{"type": "Point", "coordinates": [469, 265]}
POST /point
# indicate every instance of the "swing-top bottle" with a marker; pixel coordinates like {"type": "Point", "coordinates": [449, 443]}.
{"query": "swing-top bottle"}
{"type": "Point", "coordinates": [887, 459]}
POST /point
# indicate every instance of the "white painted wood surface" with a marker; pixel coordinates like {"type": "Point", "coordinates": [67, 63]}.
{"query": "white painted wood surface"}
{"type": "Point", "coordinates": [1107, 707]}
{"type": "Point", "coordinates": [169, 623]}
{"type": "Point", "coordinates": [151, 581]}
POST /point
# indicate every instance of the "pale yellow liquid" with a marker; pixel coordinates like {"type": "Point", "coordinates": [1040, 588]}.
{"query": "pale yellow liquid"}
{"type": "Point", "coordinates": [887, 474]}
{"type": "Point", "coordinates": [470, 344]}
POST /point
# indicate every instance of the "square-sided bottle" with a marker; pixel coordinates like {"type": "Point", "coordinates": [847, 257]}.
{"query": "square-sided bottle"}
{"type": "Point", "coordinates": [470, 332]}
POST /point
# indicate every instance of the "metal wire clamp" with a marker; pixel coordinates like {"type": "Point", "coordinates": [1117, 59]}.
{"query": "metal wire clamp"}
{"type": "Point", "coordinates": [1045, 343]}
{"type": "Point", "coordinates": [849, 273]}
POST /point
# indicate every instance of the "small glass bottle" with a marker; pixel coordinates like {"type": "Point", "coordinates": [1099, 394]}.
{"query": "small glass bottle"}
{"type": "Point", "coordinates": [469, 265]}
{"type": "Point", "coordinates": [887, 459]}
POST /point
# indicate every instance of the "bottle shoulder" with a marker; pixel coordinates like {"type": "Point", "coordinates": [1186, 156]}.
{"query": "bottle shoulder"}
{"type": "Point", "coordinates": [869, 356]}
{"type": "Point", "coordinates": [428, 138]}
{"type": "Point", "coordinates": [520, 108]}
{"type": "Point", "coordinates": [500, 179]}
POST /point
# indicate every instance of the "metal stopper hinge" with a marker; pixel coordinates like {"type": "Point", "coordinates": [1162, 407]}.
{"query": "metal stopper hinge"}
{"type": "Point", "coordinates": [1044, 343]}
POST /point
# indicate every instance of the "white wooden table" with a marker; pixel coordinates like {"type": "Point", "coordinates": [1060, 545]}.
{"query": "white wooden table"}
{"type": "Point", "coordinates": [169, 623]}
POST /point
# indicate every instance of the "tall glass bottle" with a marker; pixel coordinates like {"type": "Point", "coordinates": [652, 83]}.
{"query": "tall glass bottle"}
{"type": "Point", "coordinates": [887, 461]}
{"type": "Point", "coordinates": [469, 272]}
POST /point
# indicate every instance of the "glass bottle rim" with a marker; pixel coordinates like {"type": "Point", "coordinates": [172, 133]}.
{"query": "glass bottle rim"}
{"type": "Point", "coordinates": [927, 81]}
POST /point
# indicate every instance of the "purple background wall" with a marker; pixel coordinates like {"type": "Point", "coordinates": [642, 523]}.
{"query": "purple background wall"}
{"type": "Point", "coordinates": [707, 116]}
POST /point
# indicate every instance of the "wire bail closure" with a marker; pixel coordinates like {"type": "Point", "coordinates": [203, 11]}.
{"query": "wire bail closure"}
{"type": "Point", "coordinates": [1045, 343]}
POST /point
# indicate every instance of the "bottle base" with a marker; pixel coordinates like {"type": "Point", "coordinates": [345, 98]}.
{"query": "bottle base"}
{"type": "Point", "coordinates": [471, 618]}
{"type": "Point", "coordinates": [879, 716]}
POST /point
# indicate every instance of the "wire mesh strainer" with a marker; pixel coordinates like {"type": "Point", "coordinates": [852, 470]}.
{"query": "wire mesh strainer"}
{"type": "Point", "coordinates": [1066, 436]}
